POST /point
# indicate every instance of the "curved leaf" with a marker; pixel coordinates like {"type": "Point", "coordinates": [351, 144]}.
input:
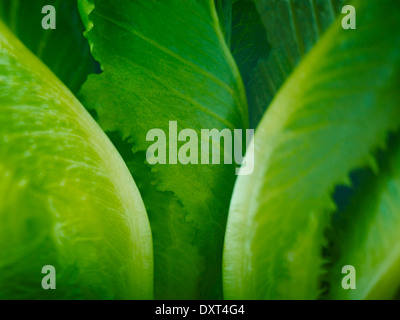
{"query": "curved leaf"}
{"type": "Point", "coordinates": [368, 234]}
{"type": "Point", "coordinates": [64, 50]}
{"type": "Point", "coordinates": [224, 10]}
{"type": "Point", "coordinates": [66, 196]}
{"type": "Point", "coordinates": [335, 109]}
{"type": "Point", "coordinates": [293, 27]}
{"type": "Point", "coordinates": [249, 46]}
{"type": "Point", "coordinates": [268, 39]}
{"type": "Point", "coordinates": [148, 80]}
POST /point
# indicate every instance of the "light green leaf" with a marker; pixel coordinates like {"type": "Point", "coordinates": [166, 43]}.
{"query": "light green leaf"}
{"type": "Point", "coordinates": [335, 109]}
{"type": "Point", "coordinates": [294, 26]}
{"type": "Point", "coordinates": [66, 196]}
{"type": "Point", "coordinates": [64, 50]}
{"type": "Point", "coordinates": [186, 74]}
{"type": "Point", "coordinates": [367, 234]}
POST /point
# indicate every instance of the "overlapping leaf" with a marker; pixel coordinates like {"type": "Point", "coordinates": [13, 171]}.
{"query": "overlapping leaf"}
{"type": "Point", "coordinates": [367, 234]}
{"type": "Point", "coordinates": [64, 50]}
{"type": "Point", "coordinates": [224, 10]}
{"type": "Point", "coordinates": [168, 61]}
{"type": "Point", "coordinates": [334, 110]}
{"type": "Point", "coordinates": [249, 46]}
{"type": "Point", "coordinates": [268, 39]}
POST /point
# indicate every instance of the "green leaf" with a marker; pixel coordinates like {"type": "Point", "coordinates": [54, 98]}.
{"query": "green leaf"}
{"type": "Point", "coordinates": [186, 74]}
{"type": "Point", "coordinates": [268, 38]}
{"type": "Point", "coordinates": [335, 109]}
{"type": "Point", "coordinates": [224, 10]}
{"type": "Point", "coordinates": [249, 46]}
{"type": "Point", "coordinates": [293, 28]}
{"type": "Point", "coordinates": [367, 234]}
{"type": "Point", "coordinates": [66, 196]}
{"type": "Point", "coordinates": [64, 50]}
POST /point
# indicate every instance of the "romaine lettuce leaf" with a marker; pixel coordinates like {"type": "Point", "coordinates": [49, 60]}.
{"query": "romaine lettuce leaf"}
{"type": "Point", "coordinates": [66, 197]}
{"type": "Point", "coordinates": [64, 50]}
{"type": "Point", "coordinates": [335, 109]}
{"type": "Point", "coordinates": [366, 234]}
{"type": "Point", "coordinates": [168, 61]}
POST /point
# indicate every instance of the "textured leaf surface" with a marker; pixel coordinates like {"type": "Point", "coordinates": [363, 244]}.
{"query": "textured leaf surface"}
{"type": "Point", "coordinates": [148, 80]}
{"type": "Point", "coordinates": [335, 109]}
{"type": "Point", "coordinates": [224, 10]}
{"type": "Point", "coordinates": [249, 46]}
{"type": "Point", "coordinates": [64, 50]}
{"type": "Point", "coordinates": [66, 196]}
{"type": "Point", "coordinates": [368, 234]}
{"type": "Point", "coordinates": [292, 27]}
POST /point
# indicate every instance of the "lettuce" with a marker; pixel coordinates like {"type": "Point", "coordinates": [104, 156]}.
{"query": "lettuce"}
{"type": "Point", "coordinates": [66, 197]}
{"type": "Point", "coordinates": [159, 68]}
{"type": "Point", "coordinates": [324, 194]}
{"type": "Point", "coordinates": [332, 113]}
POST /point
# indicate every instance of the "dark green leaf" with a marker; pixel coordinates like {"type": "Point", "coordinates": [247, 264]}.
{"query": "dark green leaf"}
{"type": "Point", "coordinates": [367, 234]}
{"type": "Point", "coordinates": [186, 74]}
{"type": "Point", "coordinates": [66, 196]}
{"type": "Point", "coordinates": [249, 46]}
{"type": "Point", "coordinates": [336, 108]}
{"type": "Point", "coordinates": [64, 50]}
{"type": "Point", "coordinates": [224, 10]}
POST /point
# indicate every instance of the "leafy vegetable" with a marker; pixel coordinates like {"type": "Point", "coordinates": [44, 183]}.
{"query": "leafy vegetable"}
{"type": "Point", "coordinates": [270, 37]}
{"type": "Point", "coordinates": [324, 194]}
{"type": "Point", "coordinates": [168, 61]}
{"type": "Point", "coordinates": [294, 26]}
{"type": "Point", "coordinates": [224, 11]}
{"type": "Point", "coordinates": [368, 233]}
{"type": "Point", "coordinates": [249, 46]}
{"type": "Point", "coordinates": [63, 50]}
{"type": "Point", "coordinates": [335, 109]}
{"type": "Point", "coordinates": [66, 197]}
